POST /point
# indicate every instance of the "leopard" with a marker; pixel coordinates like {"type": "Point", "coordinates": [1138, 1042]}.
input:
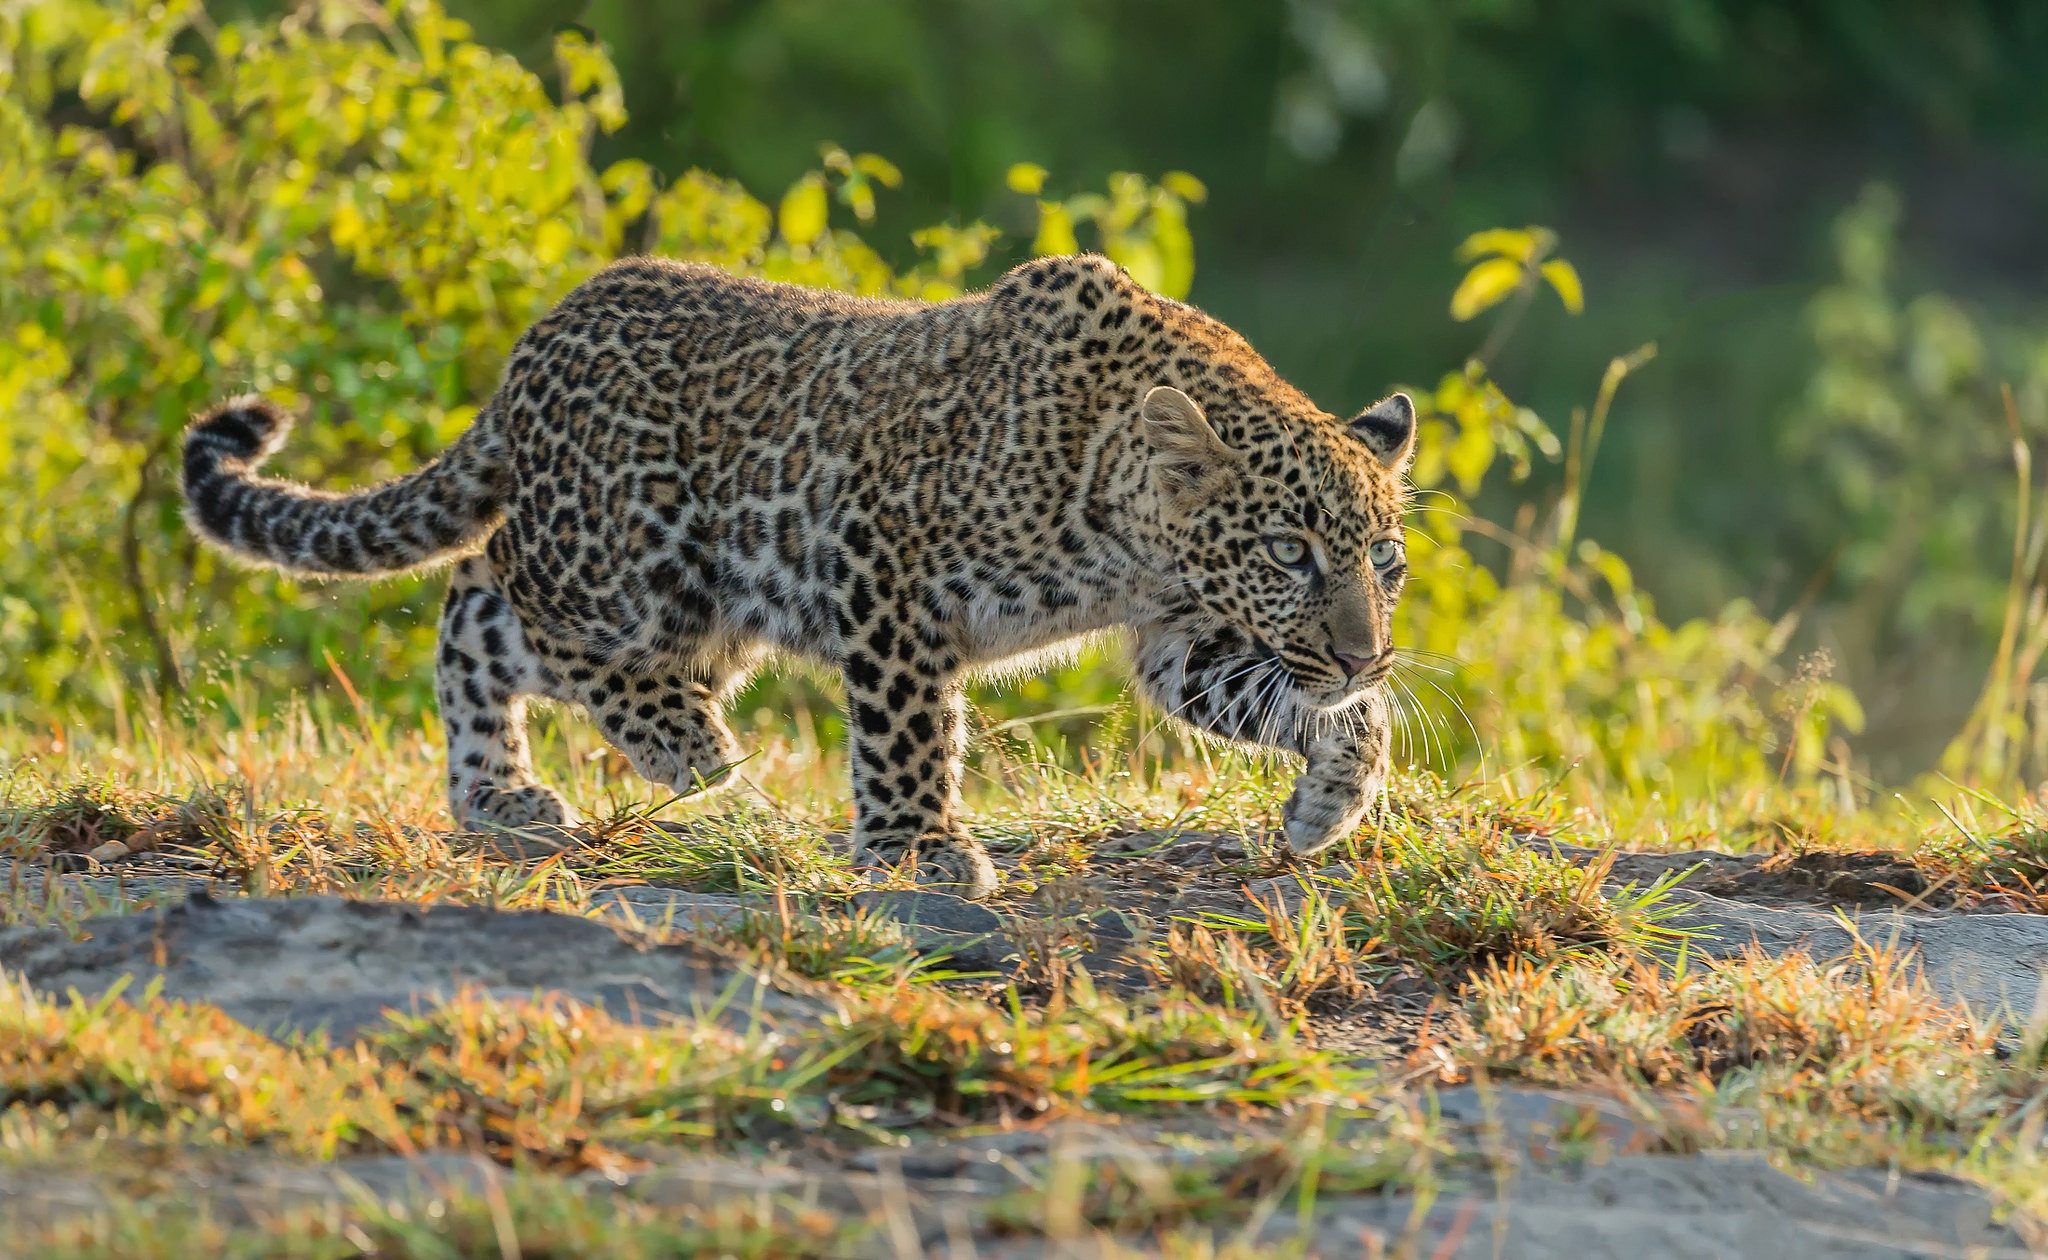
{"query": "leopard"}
{"type": "Point", "coordinates": [684, 471]}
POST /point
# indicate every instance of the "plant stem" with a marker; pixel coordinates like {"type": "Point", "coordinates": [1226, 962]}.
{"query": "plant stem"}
{"type": "Point", "coordinates": [170, 676]}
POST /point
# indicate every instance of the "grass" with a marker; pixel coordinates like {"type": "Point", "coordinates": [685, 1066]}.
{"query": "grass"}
{"type": "Point", "coordinates": [528, 1215]}
{"type": "Point", "coordinates": [1710, 1019]}
{"type": "Point", "coordinates": [1481, 898]}
{"type": "Point", "coordinates": [1833, 1060]}
{"type": "Point", "coordinates": [558, 1085]}
{"type": "Point", "coordinates": [521, 1215]}
{"type": "Point", "coordinates": [1283, 965]}
{"type": "Point", "coordinates": [1133, 1191]}
{"type": "Point", "coordinates": [846, 948]}
{"type": "Point", "coordinates": [746, 848]}
{"type": "Point", "coordinates": [1441, 890]}
{"type": "Point", "coordinates": [1533, 964]}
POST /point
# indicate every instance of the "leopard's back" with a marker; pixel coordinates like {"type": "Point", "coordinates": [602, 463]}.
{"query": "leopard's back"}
{"type": "Point", "coordinates": [695, 454]}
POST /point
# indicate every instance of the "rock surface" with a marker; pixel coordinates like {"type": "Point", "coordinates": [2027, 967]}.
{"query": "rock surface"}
{"type": "Point", "coordinates": [1711, 1206]}
{"type": "Point", "coordinates": [304, 963]}
{"type": "Point", "coordinates": [1992, 962]}
{"type": "Point", "coordinates": [1509, 1196]}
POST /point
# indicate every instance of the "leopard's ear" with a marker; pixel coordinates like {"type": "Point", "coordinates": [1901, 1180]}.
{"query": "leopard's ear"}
{"type": "Point", "coordinates": [1388, 430]}
{"type": "Point", "coordinates": [1185, 448]}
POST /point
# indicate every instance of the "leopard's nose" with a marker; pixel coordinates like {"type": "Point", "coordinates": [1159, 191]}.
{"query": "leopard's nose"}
{"type": "Point", "coordinates": [1354, 665]}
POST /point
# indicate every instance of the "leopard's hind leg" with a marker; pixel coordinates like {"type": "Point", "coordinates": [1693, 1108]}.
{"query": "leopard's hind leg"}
{"type": "Point", "coordinates": [667, 719]}
{"type": "Point", "coordinates": [486, 670]}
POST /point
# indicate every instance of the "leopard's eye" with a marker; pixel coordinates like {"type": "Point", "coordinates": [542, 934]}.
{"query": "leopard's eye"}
{"type": "Point", "coordinates": [1383, 553]}
{"type": "Point", "coordinates": [1290, 552]}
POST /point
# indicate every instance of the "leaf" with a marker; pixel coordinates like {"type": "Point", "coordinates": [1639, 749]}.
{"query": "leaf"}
{"type": "Point", "coordinates": [1027, 177]}
{"type": "Point", "coordinates": [1055, 231]}
{"type": "Point", "coordinates": [802, 213]}
{"type": "Point", "coordinates": [1141, 257]}
{"type": "Point", "coordinates": [1185, 186]}
{"type": "Point", "coordinates": [1484, 286]}
{"type": "Point", "coordinates": [1513, 243]}
{"type": "Point", "coordinates": [879, 169]}
{"type": "Point", "coordinates": [1176, 247]}
{"type": "Point", "coordinates": [346, 226]}
{"type": "Point", "coordinates": [552, 241]}
{"type": "Point", "coordinates": [1565, 279]}
{"type": "Point", "coordinates": [861, 196]}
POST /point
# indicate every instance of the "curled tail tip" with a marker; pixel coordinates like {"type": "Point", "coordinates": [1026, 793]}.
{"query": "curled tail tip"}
{"type": "Point", "coordinates": [249, 428]}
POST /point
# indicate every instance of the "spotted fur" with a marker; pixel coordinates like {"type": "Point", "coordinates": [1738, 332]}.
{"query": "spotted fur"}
{"type": "Point", "coordinates": [683, 471]}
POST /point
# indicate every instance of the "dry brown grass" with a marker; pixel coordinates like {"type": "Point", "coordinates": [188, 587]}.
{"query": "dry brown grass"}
{"type": "Point", "coordinates": [1289, 963]}
{"type": "Point", "coordinates": [554, 1084]}
{"type": "Point", "coordinates": [1832, 1059]}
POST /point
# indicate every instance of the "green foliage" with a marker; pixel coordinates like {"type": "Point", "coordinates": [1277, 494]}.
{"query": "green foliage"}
{"type": "Point", "coordinates": [1142, 226]}
{"type": "Point", "coordinates": [1905, 428]}
{"type": "Point", "coordinates": [1509, 260]}
{"type": "Point", "coordinates": [354, 211]}
{"type": "Point", "coordinates": [1561, 660]}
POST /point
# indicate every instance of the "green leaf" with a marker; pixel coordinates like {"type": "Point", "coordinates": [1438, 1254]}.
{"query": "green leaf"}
{"type": "Point", "coordinates": [1484, 286]}
{"type": "Point", "coordinates": [1185, 186]}
{"type": "Point", "coordinates": [1055, 231]}
{"type": "Point", "coordinates": [879, 169]}
{"type": "Point", "coordinates": [802, 213]}
{"type": "Point", "coordinates": [1027, 177]}
{"type": "Point", "coordinates": [1511, 243]}
{"type": "Point", "coordinates": [1565, 279]}
{"type": "Point", "coordinates": [861, 196]}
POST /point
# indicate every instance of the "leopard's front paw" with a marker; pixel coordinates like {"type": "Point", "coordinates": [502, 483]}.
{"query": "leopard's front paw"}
{"type": "Point", "coordinates": [1314, 821]}
{"type": "Point", "coordinates": [1347, 769]}
{"type": "Point", "coordinates": [948, 863]}
{"type": "Point", "coordinates": [517, 808]}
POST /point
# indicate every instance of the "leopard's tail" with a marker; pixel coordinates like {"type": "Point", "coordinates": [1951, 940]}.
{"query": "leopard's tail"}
{"type": "Point", "coordinates": [441, 510]}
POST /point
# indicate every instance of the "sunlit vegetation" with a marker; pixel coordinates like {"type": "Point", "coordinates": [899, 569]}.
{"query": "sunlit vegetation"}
{"type": "Point", "coordinates": [355, 209]}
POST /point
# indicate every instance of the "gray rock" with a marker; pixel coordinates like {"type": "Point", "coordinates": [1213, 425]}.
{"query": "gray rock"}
{"type": "Point", "coordinates": [673, 908]}
{"type": "Point", "coordinates": [1993, 962]}
{"type": "Point", "coordinates": [297, 964]}
{"type": "Point", "coordinates": [919, 1162]}
{"type": "Point", "coordinates": [961, 934]}
{"type": "Point", "coordinates": [1111, 926]}
{"type": "Point", "coordinates": [1509, 1121]}
{"type": "Point", "coordinates": [930, 910]}
{"type": "Point", "coordinates": [1711, 1207]}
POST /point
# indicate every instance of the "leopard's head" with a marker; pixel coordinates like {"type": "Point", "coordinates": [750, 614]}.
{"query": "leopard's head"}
{"type": "Point", "coordinates": [1286, 522]}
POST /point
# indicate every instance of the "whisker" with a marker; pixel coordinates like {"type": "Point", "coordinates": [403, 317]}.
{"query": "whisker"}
{"type": "Point", "coordinates": [1403, 726]}
{"type": "Point", "coordinates": [1478, 745]}
{"type": "Point", "coordinates": [1413, 719]}
{"type": "Point", "coordinates": [1434, 669]}
{"type": "Point", "coordinates": [1262, 704]}
{"type": "Point", "coordinates": [1435, 656]}
{"type": "Point", "coordinates": [1437, 747]}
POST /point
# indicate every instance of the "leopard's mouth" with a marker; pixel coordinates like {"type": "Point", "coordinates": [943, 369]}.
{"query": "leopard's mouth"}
{"type": "Point", "coordinates": [1348, 692]}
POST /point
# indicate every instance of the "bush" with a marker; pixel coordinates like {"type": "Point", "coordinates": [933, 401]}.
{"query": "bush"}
{"type": "Point", "coordinates": [356, 211]}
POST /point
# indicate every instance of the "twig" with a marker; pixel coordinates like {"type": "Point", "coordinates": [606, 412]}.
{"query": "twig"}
{"type": "Point", "coordinates": [172, 677]}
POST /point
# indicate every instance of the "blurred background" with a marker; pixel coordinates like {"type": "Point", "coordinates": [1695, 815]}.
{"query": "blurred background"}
{"type": "Point", "coordinates": [1830, 218]}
